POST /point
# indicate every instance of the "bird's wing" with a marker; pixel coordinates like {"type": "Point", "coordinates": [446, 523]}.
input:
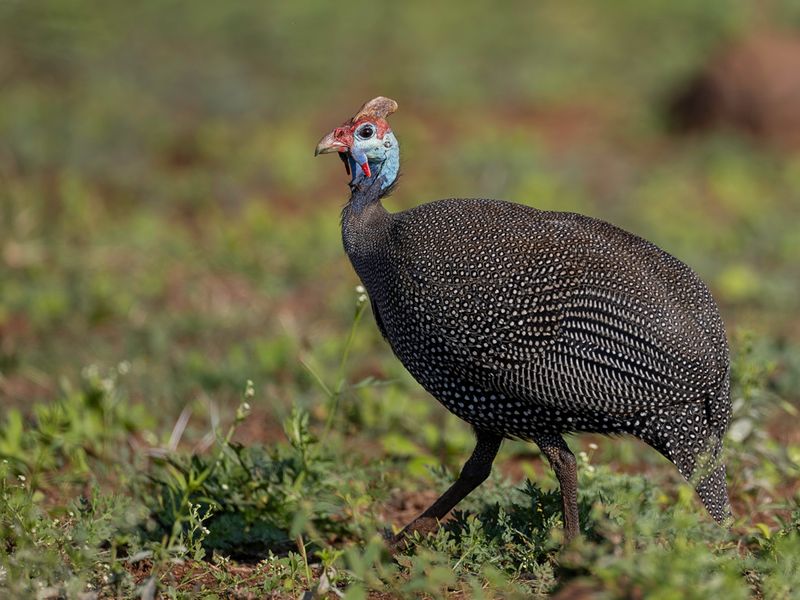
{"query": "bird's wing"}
{"type": "Point", "coordinates": [378, 320]}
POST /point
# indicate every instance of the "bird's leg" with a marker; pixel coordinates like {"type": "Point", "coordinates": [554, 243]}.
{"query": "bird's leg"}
{"type": "Point", "coordinates": [475, 472]}
{"type": "Point", "coordinates": [563, 462]}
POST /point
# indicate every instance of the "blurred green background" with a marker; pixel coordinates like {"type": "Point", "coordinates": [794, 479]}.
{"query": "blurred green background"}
{"type": "Point", "coordinates": [160, 203]}
{"type": "Point", "coordinates": [161, 209]}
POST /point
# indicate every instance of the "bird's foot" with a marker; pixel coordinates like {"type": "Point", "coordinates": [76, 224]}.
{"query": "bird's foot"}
{"type": "Point", "coordinates": [401, 542]}
{"type": "Point", "coordinates": [395, 544]}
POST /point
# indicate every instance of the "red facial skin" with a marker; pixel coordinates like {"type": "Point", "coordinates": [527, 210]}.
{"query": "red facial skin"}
{"type": "Point", "coordinates": [345, 133]}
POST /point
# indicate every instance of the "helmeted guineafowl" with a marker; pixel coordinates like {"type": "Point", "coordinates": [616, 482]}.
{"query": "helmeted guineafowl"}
{"type": "Point", "coordinates": [530, 324]}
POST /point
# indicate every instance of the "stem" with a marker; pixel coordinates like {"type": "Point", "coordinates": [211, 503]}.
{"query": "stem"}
{"type": "Point", "coordinates": [337, 392]}
{"type": "Point", "coordinates": [302, 547]}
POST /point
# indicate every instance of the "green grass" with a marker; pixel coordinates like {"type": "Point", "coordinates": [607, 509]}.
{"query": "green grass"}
{"type": "Point", "coordinates": [195, 400]}
{"type": "Point", "coordinates": [303, 514]}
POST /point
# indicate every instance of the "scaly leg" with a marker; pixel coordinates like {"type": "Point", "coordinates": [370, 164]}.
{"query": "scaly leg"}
{"type": "Point", "coordinates": [563, 462]}
{"type": "Point", "coordinates": [474, 473]}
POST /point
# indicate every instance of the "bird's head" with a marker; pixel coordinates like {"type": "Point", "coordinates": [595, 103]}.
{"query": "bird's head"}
{"type": "Point", "coordinates": [366, 143]}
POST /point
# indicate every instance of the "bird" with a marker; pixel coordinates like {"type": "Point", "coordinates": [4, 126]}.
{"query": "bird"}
{"type": "Point", "coordinates": [532, 324]}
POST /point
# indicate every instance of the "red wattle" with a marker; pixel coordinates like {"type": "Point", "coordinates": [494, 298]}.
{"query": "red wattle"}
{"type": "Point", "coordinates": [365, 168]}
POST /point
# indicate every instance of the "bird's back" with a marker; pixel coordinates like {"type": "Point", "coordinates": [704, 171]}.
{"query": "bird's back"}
{"type": "Point", "coordinates": [507, 313]}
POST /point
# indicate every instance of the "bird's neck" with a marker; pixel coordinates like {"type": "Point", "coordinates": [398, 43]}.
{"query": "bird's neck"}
{"type": "Point", "coordinates": [365, 226]}
{"type": "Point", "coordinates": [365, 222]}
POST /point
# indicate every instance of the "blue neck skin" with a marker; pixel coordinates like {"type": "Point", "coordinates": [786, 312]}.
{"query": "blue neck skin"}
{"type": "Point", "coordinates": [383, 169]}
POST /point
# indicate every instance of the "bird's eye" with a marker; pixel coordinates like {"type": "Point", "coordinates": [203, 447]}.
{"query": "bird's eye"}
{"type": "Point", "coordinates": [366, 132]}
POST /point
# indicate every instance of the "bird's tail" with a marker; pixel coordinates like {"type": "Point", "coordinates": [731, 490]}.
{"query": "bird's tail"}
{"type": "Point", "coordinates": [709, 475]}
{"type": "Point", "coordinates": [691, 437]}
{"type": "Point", "coordinates": [713, 492]}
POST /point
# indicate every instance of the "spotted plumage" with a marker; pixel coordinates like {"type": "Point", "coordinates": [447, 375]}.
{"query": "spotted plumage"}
{"type": "Point", "coordinates": [531, 324]}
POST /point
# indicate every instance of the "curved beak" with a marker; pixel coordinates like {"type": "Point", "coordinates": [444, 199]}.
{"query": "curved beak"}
{"type": "Point", "coordinates": [330, 143]}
